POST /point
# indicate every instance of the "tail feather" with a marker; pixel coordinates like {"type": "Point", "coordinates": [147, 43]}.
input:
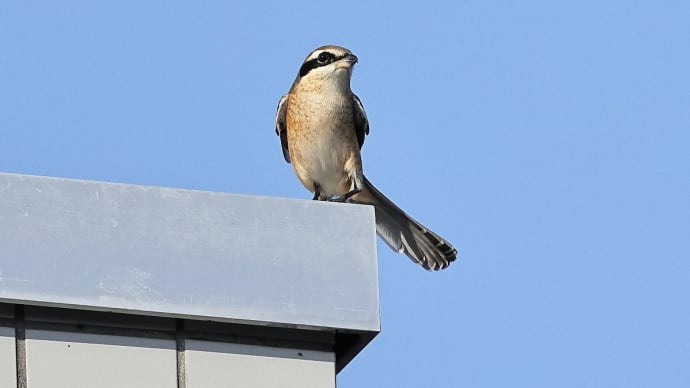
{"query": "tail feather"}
{"type": "Point", "coordinates": [404, 234]}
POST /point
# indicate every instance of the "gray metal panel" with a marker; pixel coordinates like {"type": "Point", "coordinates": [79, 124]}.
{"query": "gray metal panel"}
{"type": "Point", "coordinates": [212, 364]}
{"type": "Point", "coordinates": [185, 253]}
{"type": "Point", "coordinates": [63, 359]}
{"type": "Point", "coordinates": [8, 362]}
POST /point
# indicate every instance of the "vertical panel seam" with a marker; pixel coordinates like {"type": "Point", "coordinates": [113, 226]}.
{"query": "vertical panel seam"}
{"type": "Point", "coordinates": [20, 345]}
{"type": "Point", "coordinates": [180, 350]}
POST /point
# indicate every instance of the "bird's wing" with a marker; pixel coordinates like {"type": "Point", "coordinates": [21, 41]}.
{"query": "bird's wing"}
{"type": "Point", "coordinates": [361, 121]}
{"type": "Point", "coordinates": [281, 128]}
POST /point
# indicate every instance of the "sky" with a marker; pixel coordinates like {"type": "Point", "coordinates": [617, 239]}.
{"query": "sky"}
{"type": "Point", "coordinates": [548, 141]}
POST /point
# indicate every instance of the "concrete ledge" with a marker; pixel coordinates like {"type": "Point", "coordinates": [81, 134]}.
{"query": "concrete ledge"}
{"type": "Point", "coordinates": [192, 255]}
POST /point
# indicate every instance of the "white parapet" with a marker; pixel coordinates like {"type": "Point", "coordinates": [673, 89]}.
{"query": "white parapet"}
{"type": "Point", "coordinates": [203, 265]}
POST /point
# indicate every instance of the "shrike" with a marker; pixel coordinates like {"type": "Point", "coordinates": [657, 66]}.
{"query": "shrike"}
{"type": "Point", "coordinates": [321, 124]}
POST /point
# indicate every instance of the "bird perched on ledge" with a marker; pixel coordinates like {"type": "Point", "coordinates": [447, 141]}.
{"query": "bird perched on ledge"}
{"type": "Point", "coordinates": [321, 124]}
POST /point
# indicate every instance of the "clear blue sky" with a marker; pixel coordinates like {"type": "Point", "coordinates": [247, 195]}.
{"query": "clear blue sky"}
{"type": "Point", "coordinates": [548, 141]}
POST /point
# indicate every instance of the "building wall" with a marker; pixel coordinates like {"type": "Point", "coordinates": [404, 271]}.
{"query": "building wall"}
{"type": "Point", "coordinates": [56, 359]}
{"type": "Point", "coordinates": [8, 362]}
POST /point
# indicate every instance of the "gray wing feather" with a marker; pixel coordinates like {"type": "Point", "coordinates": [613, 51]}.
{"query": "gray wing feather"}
{"type": "Point", "coordinates": [281, 129]}
{"type": "Point", "coordinates": [361, 121]}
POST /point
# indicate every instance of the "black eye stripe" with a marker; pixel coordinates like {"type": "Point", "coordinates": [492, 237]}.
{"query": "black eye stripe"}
{"type": "Point", "coordinates": [325, 57]}
{"type": "Point", "coordinates": [320, 60]}
{"type": "Point", "coordinates": [308, 66]}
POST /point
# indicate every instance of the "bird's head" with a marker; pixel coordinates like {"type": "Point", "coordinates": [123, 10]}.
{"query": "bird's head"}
{"type": "Point", "coordinates": [332, 63]}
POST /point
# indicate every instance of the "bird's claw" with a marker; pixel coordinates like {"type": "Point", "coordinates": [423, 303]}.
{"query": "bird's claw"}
{"type": "Point", "coordinates": [346, 196]}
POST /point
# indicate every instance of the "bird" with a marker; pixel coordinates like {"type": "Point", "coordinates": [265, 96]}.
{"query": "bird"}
{"type": "Point", "coordinates": [322, 124]}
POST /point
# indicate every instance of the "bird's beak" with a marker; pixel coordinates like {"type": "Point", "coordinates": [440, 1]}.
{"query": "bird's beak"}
{"type": "Point", "coordinates": [352, 58]}
{"type": "Point", "coordinates": [347, 61]}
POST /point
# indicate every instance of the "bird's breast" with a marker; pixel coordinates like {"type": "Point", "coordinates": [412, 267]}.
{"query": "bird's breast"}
{"type": "Point", "coordinates": [321, 140]}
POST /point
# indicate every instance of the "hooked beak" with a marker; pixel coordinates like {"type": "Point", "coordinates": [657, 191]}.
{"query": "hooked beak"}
{"type": "Point", "coordinates": [347, 61]}
{"type": "Point", "coordinates": [352, 58]}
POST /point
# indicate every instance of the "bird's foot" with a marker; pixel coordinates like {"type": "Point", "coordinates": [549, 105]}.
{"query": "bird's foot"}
{"type": "Point", "coordinates": [317, 193]}
{"type": "Point", "coordinates": [346, 196]}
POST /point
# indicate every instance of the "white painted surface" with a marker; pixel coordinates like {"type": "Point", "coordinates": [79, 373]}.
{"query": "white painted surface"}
{"type": "Point", "coordinates": [8, 361]}
{"type": "Point", "coordinates": [220, 365]}
{"type": "Point", "coordinates": [187, 254]}
{"type": "Point", "coordinates": [75, 360]}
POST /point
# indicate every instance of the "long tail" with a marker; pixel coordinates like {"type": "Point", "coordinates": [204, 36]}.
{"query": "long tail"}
{"type": "Point", "coordinates": [403, 234]}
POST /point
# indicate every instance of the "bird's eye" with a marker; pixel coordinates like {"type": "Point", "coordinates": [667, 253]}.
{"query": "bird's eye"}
{"type": "Point", "coordinates": [324, 58]}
